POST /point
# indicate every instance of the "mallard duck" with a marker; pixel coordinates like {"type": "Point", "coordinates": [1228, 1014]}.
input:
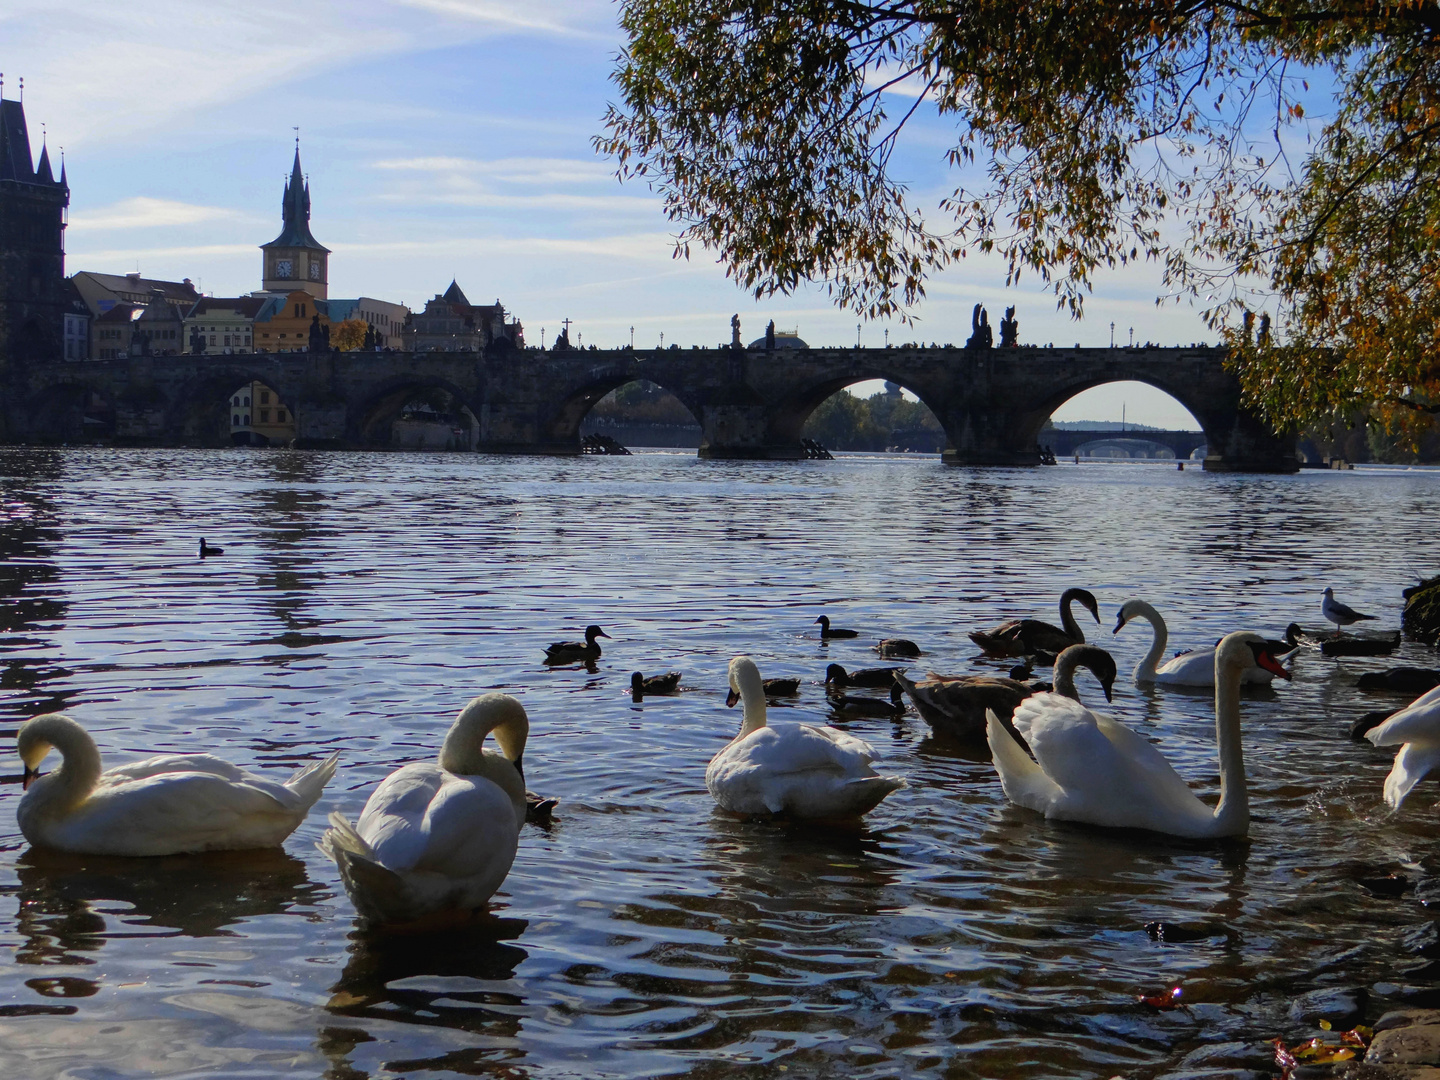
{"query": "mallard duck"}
{"type": "Point", "coordinates": [1024, 637]}
{"type": "Point", "coordinates": [569, 652]}
{"type": "Point", "coordinates": [860, 705]}
{"type": "Point", "coordinates": [826, 632]}
{"type": "Point", "coordinates": [898, 648]}
{"type": "Point", "coordinates": [781, 687]}
{"type": "Point", "coordinates": [207, 550]}
{"type": "Point", "coordinates": [879, 677]}
{"type": "Point", "coordinates": [164, 805]}
{"type": "Point", "coordinates": [640, 685]}
{"type": "Point", "coordinates": [438, 837]}
{"type": "Point", "coordinates": [797, 769]}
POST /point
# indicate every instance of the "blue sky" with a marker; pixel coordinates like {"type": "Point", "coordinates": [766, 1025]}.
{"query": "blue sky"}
{"type": "Point", "coordinates": [444, 138]}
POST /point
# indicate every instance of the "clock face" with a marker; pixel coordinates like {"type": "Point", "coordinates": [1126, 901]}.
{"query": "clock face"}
{"type": "Point", "coordinates": [284, 268]}
{"type": "Point", "coordinates": [315, 269]}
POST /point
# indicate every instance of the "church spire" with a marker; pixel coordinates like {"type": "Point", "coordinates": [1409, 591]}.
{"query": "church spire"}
{"type": "Point", "coordinates": [295, 211]}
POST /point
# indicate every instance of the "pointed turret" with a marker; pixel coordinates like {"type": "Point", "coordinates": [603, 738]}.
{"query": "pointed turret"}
{"type": "Point", "coordinates": [43, 174]}
{"type": "Point", "coordinates": [453, 295]}
{"type": "Point", "coordinates": [295, 211]}
{"type": "Point", "coordinates": [14, 144]}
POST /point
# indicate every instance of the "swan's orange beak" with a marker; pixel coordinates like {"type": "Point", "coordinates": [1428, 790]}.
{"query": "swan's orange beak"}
{"type": "Point", "coordinates": [31, 775]}
{"type": "Point", "coordinates": [1266, 660]}
{"type": "Point", "coordinates": [732, 698]}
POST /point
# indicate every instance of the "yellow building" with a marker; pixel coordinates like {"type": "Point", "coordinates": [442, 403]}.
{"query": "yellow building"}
{"type": "Point", "coordinates": [283, 323]}
{"type": "Point", "coordinates": [259, 418]}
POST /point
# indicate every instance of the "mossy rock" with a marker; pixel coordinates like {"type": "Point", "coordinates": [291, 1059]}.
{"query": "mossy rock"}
{"type": "Point", "coordinates": [1421, 620]}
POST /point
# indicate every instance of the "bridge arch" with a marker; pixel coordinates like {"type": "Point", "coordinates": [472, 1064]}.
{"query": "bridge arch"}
{"type": "Point", "coordinates": [1033, 416]}
{"type": "Point", "coordinates": [562, 424]}
{"type": "Point", "coordinates": [789, 417]}
{"type": "Point", "coordinates": [372, 419]}
{"type": "Point", "coordinates": [70, 412]}
{"type": "Point", "coordinates": [200, 407]}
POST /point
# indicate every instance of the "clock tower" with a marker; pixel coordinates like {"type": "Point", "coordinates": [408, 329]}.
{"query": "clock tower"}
{"type": "Point", "coordinates": [295, 259]}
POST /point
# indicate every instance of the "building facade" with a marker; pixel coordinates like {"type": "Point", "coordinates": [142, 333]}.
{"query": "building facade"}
{"type": "Point", "coordinates": [295, 259]}
{"type": "Point", "coordinates": [222, 326]}
{"type": "Point", "coordinates": [450, 323]}
{"type": "Point", "coordinates": [388, 319]}
{"type": "Point", "coordinates": [33, 207]}
{"type": "Point", "coordinates": [291, 323]}
{"type": "Point", "coordinates": [259, 418]}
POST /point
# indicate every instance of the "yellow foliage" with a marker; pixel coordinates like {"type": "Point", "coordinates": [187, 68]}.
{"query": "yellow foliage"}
{"type": "Point", "coordinates": [349, 335]}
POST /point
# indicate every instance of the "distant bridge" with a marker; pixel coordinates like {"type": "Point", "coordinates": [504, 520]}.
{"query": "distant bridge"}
{"type": "Point", "coordinates": [1066, 441]}
{"type": "Point", "coordinates": [748, 403]}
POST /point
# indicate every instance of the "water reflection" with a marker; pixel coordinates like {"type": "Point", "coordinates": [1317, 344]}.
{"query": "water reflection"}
{"type": "Point", "coordinates": [460, 979]}
{"type": "Point", "coordinates": [30, 595]}
{"type": "Point", "coordinates": [69, 905]}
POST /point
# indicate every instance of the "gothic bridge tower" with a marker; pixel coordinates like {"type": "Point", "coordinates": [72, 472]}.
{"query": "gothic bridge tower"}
{"type": "Point", "coordinates": [295, 259]}
{"type": "Point", "coordinates": [34, 294]}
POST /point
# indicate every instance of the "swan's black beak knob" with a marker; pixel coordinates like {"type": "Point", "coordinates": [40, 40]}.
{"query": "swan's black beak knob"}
{"type": "Point", "coordinates": [31, 775]}
{"type": "Point", "coordinates": [731, 698]}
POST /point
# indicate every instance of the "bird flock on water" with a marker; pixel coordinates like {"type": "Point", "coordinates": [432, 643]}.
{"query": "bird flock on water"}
{"type": "Point", "coordinates": [436, 839]}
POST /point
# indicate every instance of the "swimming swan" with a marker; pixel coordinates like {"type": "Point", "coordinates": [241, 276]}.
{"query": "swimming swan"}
{"type": "Point", "coordinates": [439, 837]}
{"type": "Point", "coordinates": [1416, 729]}
{"type": "Point", "coordinates": [1022, 637]}
{"type": "Point", "coordinates": [1089, 768]}
{"type": "Point", "coordinates": [163, 805]}
{"type": "Point", "coordinates": [800, 769]}
{"type": "Point", "coordinates": [960, 704]}
{"type": "Point", "coordinates": [1195, 668]}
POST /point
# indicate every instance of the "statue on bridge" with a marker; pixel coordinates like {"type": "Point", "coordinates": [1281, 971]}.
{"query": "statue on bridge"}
{"type": "Point", "coordinates": [770, 337]}
{"type": "Point", "coordinates": [735, 331]}
{"type": "Point", "coordinates": [316, 344]}
{"type": "Point", "coordinates": [1009, 329]}
{"type": "Point", "coordinates": [981, 336]}
{"type": "Point", "coordinates": [1248, 325]}
{"type": "Point", "coordinates": [1263, 337]}
{"type": "Point", "coordinates": [562, 341]}
{"type": "Point", "coordinates": [197, 342]}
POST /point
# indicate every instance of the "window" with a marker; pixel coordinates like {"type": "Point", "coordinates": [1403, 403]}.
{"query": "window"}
{"type": "Point", "coordinates": [264, 416]}
{"type": "Point", "coordinates": [212, 339]}
{"type": "Point", "coordinates": [264, 397]}
{"type": "Point", "coordinates": [247, 402]}
{"type": "Point", "coordinates": [235, 419]}
{"type": "Point", "coordinates": [227, 339]}
{"type": "Point", "coordinates": [235, 401]}
{"type": "Point", "coordinates": [247, 418]}
{"type": "Point", "coordinates": [279, 416]}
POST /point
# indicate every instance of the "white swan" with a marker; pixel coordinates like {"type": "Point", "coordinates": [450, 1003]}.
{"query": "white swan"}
{"type": "Point", "coordinates": [1194, 668]}
{"type": "Point", "coordinates": [440, 837]}
{"type": "Point", "coordinates": [1094, 770]}
{"type": "Point", "coordinates": [160, 806]}
{"type": "Point", "coordinates": [805, 771]}
{"type": "Point", "coordinates": [1416, 729]}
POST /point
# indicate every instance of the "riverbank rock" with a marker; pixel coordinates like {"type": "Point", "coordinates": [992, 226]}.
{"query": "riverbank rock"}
{"type": "Point", "coordinates": [1344, 1008]}
{"type": "Point", "coordinates": [1421, 620]}
{"type": "Point", "coordinates": [1400, 680]}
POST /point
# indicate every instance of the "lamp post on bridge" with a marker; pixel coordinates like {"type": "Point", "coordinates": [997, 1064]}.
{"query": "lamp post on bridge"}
{"type": "Point", "coordinates": [632, 339]}
{"type": "Point", "coordinates": [1112, 335]}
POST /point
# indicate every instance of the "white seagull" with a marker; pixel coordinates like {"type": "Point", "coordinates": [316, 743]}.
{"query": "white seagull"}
{"type": "Point", "coordinates": [1338, 613]}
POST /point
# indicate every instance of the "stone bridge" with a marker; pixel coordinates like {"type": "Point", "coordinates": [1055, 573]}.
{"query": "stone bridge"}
{"type": "Point", "coordinates": [749, 404]}
{"type": "Point", "coordinates": [1065, 441]}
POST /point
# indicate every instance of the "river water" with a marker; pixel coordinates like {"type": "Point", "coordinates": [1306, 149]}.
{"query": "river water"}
{"type": "Point", "coordinates": [364, 598]}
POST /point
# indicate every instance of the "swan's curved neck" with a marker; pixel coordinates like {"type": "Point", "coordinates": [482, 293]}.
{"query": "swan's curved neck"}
{"type": "Point", "coordinates": [80, 758]}
{"type": "Point", "coordinates": [499, 714]}
{"type": "Point", "coordinates": [1145, 670]}
{"type": "Point", "coordinates": [1067, 619]}
{"type": "Point", "coordinates": [1064, 676]}
{"type": "Point", "coordinates": [1232, 815]}
{"type": "Point", "coordinates": [752, 700]}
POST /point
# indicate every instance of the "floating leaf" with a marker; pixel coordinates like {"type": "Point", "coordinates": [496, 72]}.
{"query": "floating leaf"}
{"type": "Point", "coordinates": [1165, 999]}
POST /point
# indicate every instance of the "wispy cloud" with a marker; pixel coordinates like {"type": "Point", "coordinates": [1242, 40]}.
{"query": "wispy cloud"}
{"type": "Point", "coordinates": [510, 170]}
{"type": "Point", "coordinates": [142, 212]}
{"type": "Point", "coordinates": [561, 19]}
